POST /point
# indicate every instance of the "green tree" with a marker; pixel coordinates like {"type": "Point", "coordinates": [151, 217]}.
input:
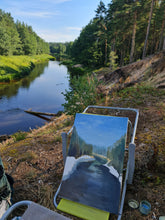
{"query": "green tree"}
{"type": "Point", "coordinates": [113, 57]}
{"type": "Point", "coordinates": [4, 41]}
{"type": "Point", "coordinates": [148, 29]}
{"type": "Point", "coordinates": [10, 41]}
{"type": "Point", "coordinates": [161, 20]}
{"type": "Point", "coordinates": [121, 27]}
{"type": "Point", "coordinates": [102, 33]}
{"type": "Point", "coordinates": [85, 49]}
{"type": "Point", "coordinates": [81, 95]}
{"type": "Point", "coordinates": [135, 8]}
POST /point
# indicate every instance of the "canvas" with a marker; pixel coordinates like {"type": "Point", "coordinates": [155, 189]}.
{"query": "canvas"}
{"type": "Point", "coordinates": [94, 164]}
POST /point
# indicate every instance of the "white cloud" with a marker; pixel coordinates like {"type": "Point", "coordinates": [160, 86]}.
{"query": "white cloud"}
{"type": "Point", "coordinates": [74, 28]}
{"type": "Point", "coordinates": [39, 14]}
{"type": "Point", "coordinates": [57, 36]}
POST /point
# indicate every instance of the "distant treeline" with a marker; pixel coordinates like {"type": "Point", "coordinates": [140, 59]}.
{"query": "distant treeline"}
{"type": "Point", "coordinates": [19, 38]}
{"type": "Point", "coordinates": [124, 31]}
{"type": "Point", "coordinates": [60, 50]}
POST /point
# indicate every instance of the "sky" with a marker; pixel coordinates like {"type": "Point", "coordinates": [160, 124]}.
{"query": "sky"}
{"type": "Point", "coordinates": [100, 130]}
{"type": "Point", "coordinates": [53, 20]}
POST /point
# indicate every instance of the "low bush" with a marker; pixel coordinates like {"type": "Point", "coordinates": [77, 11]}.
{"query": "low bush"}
{"type": "Point", "coordinates": [82, 94]}
{"type": "Point", "coordinates": [18, 136]}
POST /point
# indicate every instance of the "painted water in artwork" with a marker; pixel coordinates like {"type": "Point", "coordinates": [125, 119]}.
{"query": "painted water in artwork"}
{"type": "Point", "coordinates": [93, 168]}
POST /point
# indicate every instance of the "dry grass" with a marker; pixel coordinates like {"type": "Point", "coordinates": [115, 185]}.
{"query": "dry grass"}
{"type": "Point", "coordinates": [36, 162]}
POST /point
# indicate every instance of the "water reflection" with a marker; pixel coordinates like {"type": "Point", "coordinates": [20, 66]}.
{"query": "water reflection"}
{"type": "Point", "coordinates": [11, 89]}
{"type": "Point", "coordinates": [41, 91]}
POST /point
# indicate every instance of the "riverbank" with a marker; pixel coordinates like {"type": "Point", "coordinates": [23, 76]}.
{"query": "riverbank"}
{"type": "Point", "coordinates": [36, 162]}
{"type": "Point", "coordinates": [40, 91]}
{"type": "Point", "coordinates": [16, 67]}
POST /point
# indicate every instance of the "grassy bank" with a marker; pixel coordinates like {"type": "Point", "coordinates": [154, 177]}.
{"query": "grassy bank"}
{"type": "Point", "coordinates": [16, 67]}
{"type": "Point", "coordinates": [35, 159]}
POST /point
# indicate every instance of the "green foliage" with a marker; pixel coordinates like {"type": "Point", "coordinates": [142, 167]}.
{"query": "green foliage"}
{"type": "Point", "coordinates": [19, 136]}
{"type": "Point", "coordinates": [68, 63]}
{"type": "Point", "coordinates": [67, 123]}
{"type": "Point", "coordinates": [138, 91]}
{"type": "Point", "coordinates": [16, 67]}
{"type": "Point", "coordinates": [58, 139]}
{"type": "Point", "coordinates": [18, 38]}
{"type": "Point", "coordinates": [76, 71]}
{"type": "Point", "coordinates": [138, 95]}
{"type": "Point", "coordinates": [82, 94]}
{"type": "Point", "coordinates": [86, 49]}
{"type": "Point", "coordinates": [112, 59]}
{"type": "Point", "coordinates": [60, 50]}
{"type": "Point", "coordinates": [120, 27]}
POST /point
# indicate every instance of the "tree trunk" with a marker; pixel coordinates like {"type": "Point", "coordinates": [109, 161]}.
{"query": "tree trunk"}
{"type": "Point", "coordinates": [164, 44]}
{"type": "Point", "coordinates": [133, 38]}
{"type": "Point", "coordinates": [106, 45]}
{"type": "Point", "coordinates": [161, 35]}
{"type": "Point", "coordinates": [148, 29]}
{"type": "Point", "coordinates": [113, 44]}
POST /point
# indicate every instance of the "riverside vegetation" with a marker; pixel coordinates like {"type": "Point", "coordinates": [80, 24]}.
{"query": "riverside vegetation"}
{"type": "Point", "coordinates": [20, 48]}
{"type": "Point", "coordinates": [16, 67]}
{"type": "Point", "coordinates": [116, 36]}
{"type": "Point", "coordinates": [35, 160]}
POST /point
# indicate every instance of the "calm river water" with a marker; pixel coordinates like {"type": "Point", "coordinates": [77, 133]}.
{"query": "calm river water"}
{"type": "Point", "coordinates": [40, 91]}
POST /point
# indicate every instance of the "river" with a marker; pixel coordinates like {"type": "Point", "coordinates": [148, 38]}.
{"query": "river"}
{"type": "Point", "coordinates": [40, 91]}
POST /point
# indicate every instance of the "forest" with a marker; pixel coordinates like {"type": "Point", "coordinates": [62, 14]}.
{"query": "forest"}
{"type": "Point", "coordinates": [17, 38]}
{"type": "Point", "coordinates": [122, 32]}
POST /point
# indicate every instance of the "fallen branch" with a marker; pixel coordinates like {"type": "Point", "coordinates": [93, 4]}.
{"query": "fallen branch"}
{"type": "Point", "coordinates": [40, 113]}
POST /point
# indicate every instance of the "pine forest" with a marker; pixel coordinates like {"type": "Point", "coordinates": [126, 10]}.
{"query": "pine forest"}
{"type": "Point", "coordinates": [17, 38]}
{"type": "Point", "coordinates": [123, 31]}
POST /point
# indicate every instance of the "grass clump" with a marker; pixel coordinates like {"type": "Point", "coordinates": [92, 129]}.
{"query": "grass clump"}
{"type": "Point", "coordinates": [139, 95]}
{"type": "Point", "coordinates": [28, 156]}
{"type": "Point", "coordinates": [18, 136]}
{"type": "Point", "coordinates": [58, 139]}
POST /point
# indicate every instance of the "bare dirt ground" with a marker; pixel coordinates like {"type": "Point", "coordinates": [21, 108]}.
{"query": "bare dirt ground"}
{"type": "Point", "coordinates": [36, 162]}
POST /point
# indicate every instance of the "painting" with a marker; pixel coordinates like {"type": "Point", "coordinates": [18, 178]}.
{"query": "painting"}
{"type": "Point", "coordinates": [93, 169]}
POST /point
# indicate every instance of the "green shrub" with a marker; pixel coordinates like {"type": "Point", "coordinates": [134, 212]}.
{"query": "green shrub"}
{"type": "Point", "coordinates": [19, 135]}
{"type": "Point", "coordinates": [82, 94]}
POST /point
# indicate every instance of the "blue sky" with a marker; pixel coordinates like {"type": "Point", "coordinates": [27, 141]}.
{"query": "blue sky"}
{"type": "Point", "coordinates": [53, 20]}
{"type": "Point", "coordinates": [100, 130]}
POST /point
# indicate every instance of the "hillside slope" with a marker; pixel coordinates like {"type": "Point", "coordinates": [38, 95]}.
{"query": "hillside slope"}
{"type": "Point", "coordinates": [36, 162]}
{"type": "Point", "coordinates": [150, 70]}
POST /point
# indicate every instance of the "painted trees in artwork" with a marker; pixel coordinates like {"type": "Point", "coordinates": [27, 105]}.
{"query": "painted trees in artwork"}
{"type": "Point", "coordinates": [78, 146]}
{"type": "Point", "coordinates": [116, 154]}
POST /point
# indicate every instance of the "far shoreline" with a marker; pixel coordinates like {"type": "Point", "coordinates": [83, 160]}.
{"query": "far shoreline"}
{"type": "Point", "coordinates": [14, 68]}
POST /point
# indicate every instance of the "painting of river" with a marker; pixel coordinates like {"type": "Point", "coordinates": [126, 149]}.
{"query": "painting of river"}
{"type": "Point", "coordinates": [93, 169]}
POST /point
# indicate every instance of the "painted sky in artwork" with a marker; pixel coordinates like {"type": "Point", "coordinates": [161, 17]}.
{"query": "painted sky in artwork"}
{"type": "Point", "coordinates": [98, 128]}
